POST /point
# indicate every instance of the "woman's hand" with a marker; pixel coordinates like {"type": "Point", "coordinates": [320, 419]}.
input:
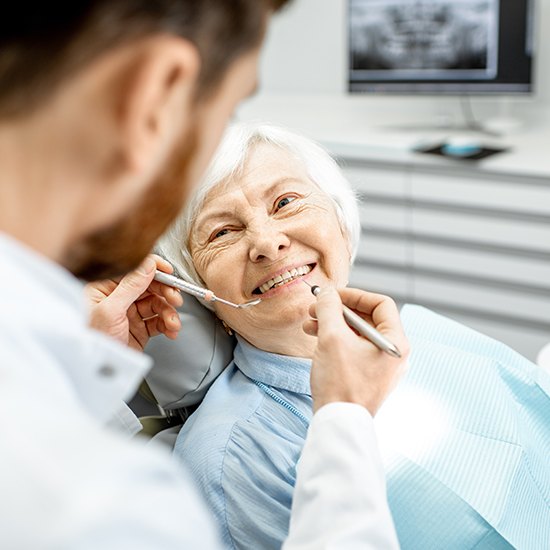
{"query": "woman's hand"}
{"type": "Point", "coordinates": [346, 366]}
{"type": "Point", "coordinates": [135, 307]}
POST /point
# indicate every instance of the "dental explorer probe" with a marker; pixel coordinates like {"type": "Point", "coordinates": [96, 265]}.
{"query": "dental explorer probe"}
{"type": "Point", "coordinates": [197, 291]}
{"type": "Point", "coordinates": [363, 328]}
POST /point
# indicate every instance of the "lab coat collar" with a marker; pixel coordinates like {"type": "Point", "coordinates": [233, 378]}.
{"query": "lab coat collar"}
{"type": "Point", "coordinates": [47, 303]}
{"type": "Point", "coordinates": [279, 371]}
{"type": "Point", "coordinates": [41, 276]}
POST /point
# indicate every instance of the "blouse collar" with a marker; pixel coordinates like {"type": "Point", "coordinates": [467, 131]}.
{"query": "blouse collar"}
{"type": "Point", "coordinates": [280, 371]}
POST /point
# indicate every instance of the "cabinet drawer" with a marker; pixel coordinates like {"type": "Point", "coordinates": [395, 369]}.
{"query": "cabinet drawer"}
{"type": "Point", "coordinates": [476, 229]}
{"type": "Point", "coordinates": [386, 182]}
{"type": "Point", "coordinates": [383, 250]}
{"type": "Point", "coordinates": [468, 244]}
{"type": "Point", "coordinates": [472, 263]}
{"type": "Point", "coordinates": [482, 193]}
{"type": "Point", "coordinates": [384, 281]}
{"type": "Point", "coordinates": [517, 308]}
{"type": "Point", "coordinates": [390, 217]}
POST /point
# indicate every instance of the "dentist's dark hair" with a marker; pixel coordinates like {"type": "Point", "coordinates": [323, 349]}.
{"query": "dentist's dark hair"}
{"type": "Point", "coordinates": [43, 43]}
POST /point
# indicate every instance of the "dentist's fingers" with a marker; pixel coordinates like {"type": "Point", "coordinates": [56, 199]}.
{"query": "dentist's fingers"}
{"type": "Point", "coordinates": [328, 311]}
{"type": "Point", "coordinates": [162, 264]}
{"type": "Point", "coordinates": [378, 310]}
{"type": "Point", "coordinates": [100, 290]}
{"type": "Point", "coordinates": [157, 326]}
{"type": "Point", "coordinates": [150, 319]}
{"type": "Point", "coordinates": [132, 286]}
{"type": "Point", "coordinates": [328, 306]}
{"type": "Point", "coordinates": [347, 367]}
{"type": "Point", "coordinates": [310, 327]}
{"type": "Point", "coordinates": [138, 283]}
{"type": "Point", "coordinates": [155, 306]}
{"type": "Point", "coordinates": [123, 308]}
{"type": "Point", "coordinates": [172, 295]}
{"type": "Point", "coordinates": [369, 303]}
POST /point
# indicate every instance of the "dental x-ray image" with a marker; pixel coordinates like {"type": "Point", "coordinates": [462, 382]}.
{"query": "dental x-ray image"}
{"type": "Point", "coordinates": [424, 39]}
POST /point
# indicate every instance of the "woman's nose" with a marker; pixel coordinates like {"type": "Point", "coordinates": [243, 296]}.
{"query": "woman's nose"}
{"type": "Point", "coordinates": [267, 242]}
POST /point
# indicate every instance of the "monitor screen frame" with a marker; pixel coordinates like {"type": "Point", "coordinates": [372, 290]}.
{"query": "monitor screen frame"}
{"type": "Point", "coordinates": [457, 87]}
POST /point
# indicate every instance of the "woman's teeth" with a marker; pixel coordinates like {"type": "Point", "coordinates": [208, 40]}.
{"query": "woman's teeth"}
{"type": "Point", "coordinates": [285, 277]}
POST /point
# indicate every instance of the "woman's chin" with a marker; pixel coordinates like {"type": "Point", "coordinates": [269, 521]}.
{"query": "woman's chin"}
{"type": "Point", "coordinates": [281, 332]}
{"type": "Point", "coordinates": [286, 315]}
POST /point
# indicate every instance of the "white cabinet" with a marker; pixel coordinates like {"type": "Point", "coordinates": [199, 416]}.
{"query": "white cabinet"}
{"type": "Point", "coordinates": [463, 241]}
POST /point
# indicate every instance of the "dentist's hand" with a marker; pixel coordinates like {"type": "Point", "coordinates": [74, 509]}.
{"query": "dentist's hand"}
{"type": "Point", "coordinates": [346, 366]}
{"type": "Point", "coordinates": [135, 307]}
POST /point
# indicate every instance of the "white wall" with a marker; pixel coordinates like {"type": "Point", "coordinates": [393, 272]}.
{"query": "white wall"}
{"type": "Point", "coordinates": [305, 49]}
{"type": "Point", "coordinates": [306, 54]}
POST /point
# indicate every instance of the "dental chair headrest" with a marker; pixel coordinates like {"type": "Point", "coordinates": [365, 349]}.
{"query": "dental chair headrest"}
{"type": "Point", "coordinates": [184, 369]}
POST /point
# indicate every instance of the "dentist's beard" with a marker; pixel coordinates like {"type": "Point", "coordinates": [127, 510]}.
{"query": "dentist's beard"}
{"type": "Point", "coordinates": [120, 248]}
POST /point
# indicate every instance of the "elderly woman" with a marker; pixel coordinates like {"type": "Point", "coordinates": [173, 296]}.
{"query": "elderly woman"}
{"type": "Point", "coordinates": [467, 433]}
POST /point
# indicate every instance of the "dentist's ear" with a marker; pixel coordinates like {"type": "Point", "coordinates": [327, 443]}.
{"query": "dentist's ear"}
{"type": "Point", "coordinates": [156, 99]}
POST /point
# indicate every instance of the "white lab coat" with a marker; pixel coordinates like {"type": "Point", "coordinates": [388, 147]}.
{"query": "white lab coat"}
{"type": "Point", "coordinates": [67, 481]}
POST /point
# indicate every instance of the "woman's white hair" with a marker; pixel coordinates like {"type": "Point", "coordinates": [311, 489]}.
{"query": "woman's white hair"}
{"type": "Point", "coordinates": [229, 163]}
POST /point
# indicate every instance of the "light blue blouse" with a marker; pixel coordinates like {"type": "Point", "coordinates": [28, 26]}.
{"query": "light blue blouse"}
{"type": "Point", "coordinates": [465, 440]}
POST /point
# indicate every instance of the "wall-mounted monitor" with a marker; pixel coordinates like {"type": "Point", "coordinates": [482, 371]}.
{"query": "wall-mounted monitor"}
{"type": "Point", "coordinates": [441, 46]}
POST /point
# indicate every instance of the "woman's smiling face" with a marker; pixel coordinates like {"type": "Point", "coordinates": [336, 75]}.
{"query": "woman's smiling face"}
{"type": "Point", "coordinates": [257, 236]}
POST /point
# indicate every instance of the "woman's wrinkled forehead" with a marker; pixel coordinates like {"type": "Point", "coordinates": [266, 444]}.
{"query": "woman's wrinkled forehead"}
{"type": "Point", "coordinates": [264, 165]}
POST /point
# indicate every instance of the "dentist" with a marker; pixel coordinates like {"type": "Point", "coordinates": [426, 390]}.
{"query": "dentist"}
{"type": "Point", "coordinates": [109, 111]}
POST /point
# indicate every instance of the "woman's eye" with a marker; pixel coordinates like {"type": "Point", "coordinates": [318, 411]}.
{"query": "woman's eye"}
{"type": "Point", "coordinates": [220, 233]}
{"type": "Point", "coordinates": [284, 201]}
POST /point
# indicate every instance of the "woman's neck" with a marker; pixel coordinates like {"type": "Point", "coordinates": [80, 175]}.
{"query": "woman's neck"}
{"type": "Point", "coordinates": [293, 342]}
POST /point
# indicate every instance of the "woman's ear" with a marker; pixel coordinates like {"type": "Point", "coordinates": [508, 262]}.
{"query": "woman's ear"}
{"type": "Point", "coordinates": [156, 99]}
{"type": "Point", "coordinates": [347, 240]}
